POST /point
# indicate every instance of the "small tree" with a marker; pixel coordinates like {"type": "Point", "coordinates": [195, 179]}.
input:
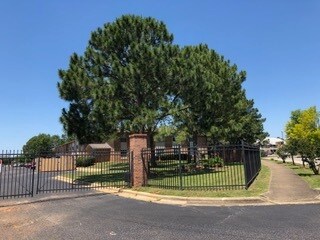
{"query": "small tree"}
{"type": "Point", "coordinates": [282, 153]}
{"type": "Point", "coordinates": [303, 133]}
{"type": "Point", "coordinates": [292, 148]}
{"type": "Point", "coordinates": [42, 144]}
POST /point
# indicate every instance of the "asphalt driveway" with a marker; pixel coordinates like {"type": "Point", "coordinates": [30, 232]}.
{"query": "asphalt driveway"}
{"type": "Point", "coordinates": [113, 217]}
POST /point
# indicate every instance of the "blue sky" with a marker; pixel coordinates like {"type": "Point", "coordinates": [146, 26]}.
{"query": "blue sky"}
{"type": "Point", "coordinates": [276, 42]}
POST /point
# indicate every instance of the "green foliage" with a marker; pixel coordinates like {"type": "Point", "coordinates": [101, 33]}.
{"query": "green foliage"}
{"type": "Point", "coordinates": [263, 153]}
{"type": "Point", "coordinates": [42, 144]}
{"type": "Point", "coordinates": [85, 161]}
{"type": "Point", "coordinates": [122, 82]}
{"type": "Point", "coordinates": [303, 133]}
{"type": "Point", "coordinates": [212, 101]}
{"type": "Point", "coordinates": [190, 167]}
{"type": "Point", "coordinates": [132, 78]}
{"type": "Point", "coordinates": [163, 131]}
{"type": "Point", "coordinates": [215, 162]}
{"type": "Point", "coordinates": [282, 153]}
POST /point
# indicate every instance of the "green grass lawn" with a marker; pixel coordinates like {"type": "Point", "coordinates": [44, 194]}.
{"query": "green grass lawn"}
{"type": "Point", "coordinates": [112, 174]}
{"type": "Point", "coordinates": [259, 186]}
{"type": "Point", "coordinates": [167, 176]}
{"type": "Point", "coordinates": [305, 173]}
{"type": "Point", "coordinates": [104, 173]}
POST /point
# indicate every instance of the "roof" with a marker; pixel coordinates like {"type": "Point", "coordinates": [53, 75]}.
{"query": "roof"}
{"type": "Point", "coordinates": [274, 140]}
{"type": "Point", "coordinates": [99, 146]}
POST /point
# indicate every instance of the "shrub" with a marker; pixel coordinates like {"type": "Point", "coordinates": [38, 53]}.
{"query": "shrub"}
{"type": "Point", "coordinates": [215, 162]}
{"type": "Point", "coordinates": [173, 157]}
{"type": "Point", "coordinates": [191, 167]}
{"type": "Point", "coordinates": [263, 153]}
{"type": "Point", "coordinates": [282, 153]}
{"type": "Point", "coordinates": [85, 161]}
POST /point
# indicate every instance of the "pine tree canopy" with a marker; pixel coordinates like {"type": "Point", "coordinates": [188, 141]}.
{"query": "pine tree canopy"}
{"type": "Point", "coordinates": [132, 78]}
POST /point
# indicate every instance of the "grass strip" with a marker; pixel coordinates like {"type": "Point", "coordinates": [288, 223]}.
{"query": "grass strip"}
{"type": "Point", "coordinates": [259, 186]}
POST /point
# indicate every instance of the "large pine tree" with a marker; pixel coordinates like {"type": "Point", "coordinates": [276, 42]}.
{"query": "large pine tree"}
{"type": "Point", "coordinates": [121, 82]}
{"type": "Point", "coordinates": [132, 78]}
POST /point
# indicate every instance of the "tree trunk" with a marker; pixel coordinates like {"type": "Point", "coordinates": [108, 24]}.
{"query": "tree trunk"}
{"type": "Point", "coordinates": [293, 160]}
{"type": "Point", "coordinates": [195, 147]}
{"type": "Point", "coordinates": [313, 166]}
{"type": "Point", "coordinates": [151, 145]}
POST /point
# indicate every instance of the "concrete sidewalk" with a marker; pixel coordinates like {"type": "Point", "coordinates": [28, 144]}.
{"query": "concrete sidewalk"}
{"type": "Point", "coordinates": [285, 188]}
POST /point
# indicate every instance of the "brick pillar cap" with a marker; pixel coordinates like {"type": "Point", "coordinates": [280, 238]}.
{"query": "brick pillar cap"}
{"type": "Point", "coordinates": [138, 135]}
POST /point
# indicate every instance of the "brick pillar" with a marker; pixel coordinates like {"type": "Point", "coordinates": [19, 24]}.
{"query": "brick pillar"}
{"type": "Point", "coordinates": [137, 143]}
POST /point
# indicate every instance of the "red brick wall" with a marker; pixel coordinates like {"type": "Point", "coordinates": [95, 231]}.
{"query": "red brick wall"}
{"type": "Point", "coordinates": [137, 143]}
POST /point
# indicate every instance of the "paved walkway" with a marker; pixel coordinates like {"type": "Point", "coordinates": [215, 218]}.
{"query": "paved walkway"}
{"type": "Point", "coordinates": [286, 186]}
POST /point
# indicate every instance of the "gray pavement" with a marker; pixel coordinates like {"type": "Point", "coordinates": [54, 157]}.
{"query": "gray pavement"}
{"type": "Point", "coordinates": [287, 187]}
{"type": "Point", "coordinates": [112, 217]}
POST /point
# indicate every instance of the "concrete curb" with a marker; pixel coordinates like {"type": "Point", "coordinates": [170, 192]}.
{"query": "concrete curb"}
{"type": "Point", "coordinates": [30, 200]}
{"type": "Point", "coordinates": [191, 201]}
{"type": "Point", "coordinates": [206, 201]}
{"type": "Point", "coordinates": [160, 199]}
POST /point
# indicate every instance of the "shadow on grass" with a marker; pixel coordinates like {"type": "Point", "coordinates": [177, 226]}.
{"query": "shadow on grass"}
{"type": "Point", "coordinates": [160, 175]}
{"type": "Point", "coordinates": [126, 168]}
{"type": "Point", "coordinates": [111, 166]}
{"type": "Point", "coordinates": [116, 165]}
{"type": "Point", "coordinates": [306, 174]}
{"type": "Point", "coordinates": [294, 167]}
{"type": "Point", "coordinates": [103, 178]}
{"type": "Point", "coordinates": [174, 172]}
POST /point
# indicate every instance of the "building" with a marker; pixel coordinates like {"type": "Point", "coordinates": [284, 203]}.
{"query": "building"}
{"type": "Point", "coordinates": [271, 144]}
{"type": "Point", "coordinates": [70, 147]}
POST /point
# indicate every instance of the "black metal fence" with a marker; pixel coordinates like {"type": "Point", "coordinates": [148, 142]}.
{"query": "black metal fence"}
{"type": "Point", "coordinates": [252, 162]}
{"type": "Point", "coordinates": [16, 174]}
{"type": "Point", "coordinates": [24, 174]}
{"type": "Point", "coordinates": [217, 167]}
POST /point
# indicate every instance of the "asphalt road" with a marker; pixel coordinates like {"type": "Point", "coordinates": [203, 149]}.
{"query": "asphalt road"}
{"type": "Point", "coordinates": [112, 217]}
{"type": "Point", "coordinates": [15, 181]}
{"type": "Point", "coordinates": [20, 181]}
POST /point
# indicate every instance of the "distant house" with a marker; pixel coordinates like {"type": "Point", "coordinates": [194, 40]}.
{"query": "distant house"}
{"type": "Point", "coordinates": [101, 151]}
{"type": "Point", "coordinates": [70, 147]}
{"type": "Point", "coordinates": [98, 147]}
{"type": "Point", "coordinates": [271, 144]}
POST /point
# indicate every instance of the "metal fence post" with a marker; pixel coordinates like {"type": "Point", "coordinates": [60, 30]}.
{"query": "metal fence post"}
{"type": "Point", "coordinates": [180, 169]}
{"type": "Point", "coordinates": [244, 160]}
{"type": "Point", "coordinates": [74, 167]}
{"type": "Point", "coordinates": [32, 183]}
{"type": "Point", "coordinates": [131, 168]}
{"type": "Point", "coordinates": [38, 177]}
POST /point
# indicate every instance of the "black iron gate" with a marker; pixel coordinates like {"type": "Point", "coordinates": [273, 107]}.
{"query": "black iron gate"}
{"type": "Point", "coordinates": [16, 175]}
{"type": "Point", "coordinates": [25, 174]}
